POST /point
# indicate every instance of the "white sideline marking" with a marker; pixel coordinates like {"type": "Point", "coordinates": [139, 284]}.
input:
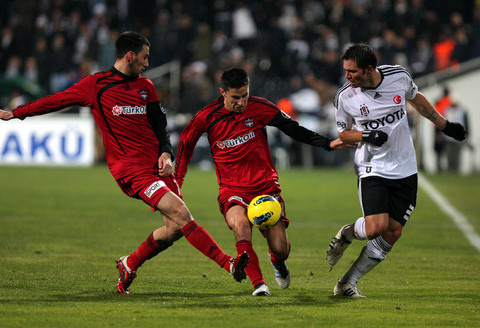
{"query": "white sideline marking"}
{"type": "Point", "coordinates": [458, 218]}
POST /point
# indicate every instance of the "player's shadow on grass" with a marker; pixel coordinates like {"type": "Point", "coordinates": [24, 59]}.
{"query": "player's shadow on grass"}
{"type": "Point", "coordinates": [192, 299]}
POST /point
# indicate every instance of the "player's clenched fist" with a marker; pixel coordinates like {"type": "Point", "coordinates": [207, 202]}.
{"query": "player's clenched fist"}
{"type": "Point", "coordinates": [374, 137]}
{"type": "Point", "coordinates": [455, 130]}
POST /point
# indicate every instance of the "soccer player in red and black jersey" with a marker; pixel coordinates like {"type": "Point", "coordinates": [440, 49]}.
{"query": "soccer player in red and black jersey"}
{"type": "Point", "coordinates": [133, 124]}
{"type": "Point", "coordinates": [235, 126]}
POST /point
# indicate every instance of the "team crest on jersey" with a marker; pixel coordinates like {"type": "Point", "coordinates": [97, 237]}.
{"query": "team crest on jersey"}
{"type": "Point", "coordinates": [249, 122]}
{"type": "Point", "coordinates": [397, 99]}
{"type": "Point", "coordinates": [143, 93]}
{"type": "Point", "coordinates": [364, 110]}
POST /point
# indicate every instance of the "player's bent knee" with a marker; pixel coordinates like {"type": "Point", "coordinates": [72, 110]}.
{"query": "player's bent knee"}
{"type": "Point", "coordinates": [376, 228]}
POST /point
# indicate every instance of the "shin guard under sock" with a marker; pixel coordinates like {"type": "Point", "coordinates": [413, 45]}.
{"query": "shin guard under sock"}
{"type": "Point", "coordinates": [201, 240]}
{"type": "Point", "coordinates": [253, 270]}
{"type": "Point", "coordinates": [148, 249]}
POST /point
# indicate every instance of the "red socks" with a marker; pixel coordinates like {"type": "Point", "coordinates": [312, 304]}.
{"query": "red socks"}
{"type": "Point", "coordinates": [201, 240]}
{"type": "Point", "coordinates": [148, 249]}
{"type": "Point", "coordinates": [253, 269]}
{"type": "Point", "coordinates": [196, 235]}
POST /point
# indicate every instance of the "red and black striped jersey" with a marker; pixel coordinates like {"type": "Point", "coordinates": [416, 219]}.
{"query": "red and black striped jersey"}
{"type": "Point", "coordinates": [127, 112]}
{"type": "Point", "coordinates": [239, 144]}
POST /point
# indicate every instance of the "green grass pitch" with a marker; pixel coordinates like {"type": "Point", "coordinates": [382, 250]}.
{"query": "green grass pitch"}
{"type": "Point", "coordinates": [62, 228]}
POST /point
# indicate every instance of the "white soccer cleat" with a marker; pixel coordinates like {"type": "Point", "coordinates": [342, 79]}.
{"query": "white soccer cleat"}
{"type": "Point", "coordinates": [261, 290]}
{"type": "Point", "coordinates": [347, 290]}
{"type": "Point", "coordinates": [282, 275]}
{"type": "Point", "coordinates": [337, 246]}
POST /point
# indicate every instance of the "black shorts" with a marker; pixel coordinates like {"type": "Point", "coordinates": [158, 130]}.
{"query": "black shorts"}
{"type": "Point", "coordinates": [397, 197]}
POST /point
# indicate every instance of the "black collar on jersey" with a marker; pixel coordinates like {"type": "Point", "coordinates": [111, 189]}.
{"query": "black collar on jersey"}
{"type": "Point", "coordinates": [123, 76]}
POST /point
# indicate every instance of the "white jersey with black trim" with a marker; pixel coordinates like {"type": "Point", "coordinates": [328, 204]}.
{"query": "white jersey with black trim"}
{"type": "Point", "coordinates": [381, 108]}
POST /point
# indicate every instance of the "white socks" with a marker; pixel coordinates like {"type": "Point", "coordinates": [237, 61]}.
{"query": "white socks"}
{"type": "Point", "coordinates": [373, 253]}
{"type": "Point", "coordinates": [359, 229]}
{"type": "Point", "coordinates": [355, 230]}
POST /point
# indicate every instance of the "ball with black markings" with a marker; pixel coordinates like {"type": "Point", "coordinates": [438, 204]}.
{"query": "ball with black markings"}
{"type": "Point", "coordinates": [264, 211]}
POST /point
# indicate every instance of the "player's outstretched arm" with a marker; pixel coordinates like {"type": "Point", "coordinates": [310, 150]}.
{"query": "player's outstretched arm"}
{"type": "Point", "coordinates": [426, 109]}
{"type": "Point", "coordinates": [5, 116]}
{"type": "Point", "coordinates": [339, 144]}
{"type": "Point", "coordinates": [451, 129]}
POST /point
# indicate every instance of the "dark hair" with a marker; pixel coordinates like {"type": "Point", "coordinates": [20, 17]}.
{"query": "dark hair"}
{"type": "Point", "coordinates": [362, 54]}
{"type": "Point", "coordinates": [235, 78]}
{"type": "Point", "coordinates": [129, 41]}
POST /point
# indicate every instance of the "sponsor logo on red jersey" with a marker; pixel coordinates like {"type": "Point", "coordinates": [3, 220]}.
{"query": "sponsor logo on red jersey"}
{"type": "Point", "coordinates": [235, 142]}
{"type": "Point", "coordinates": [128, 110]}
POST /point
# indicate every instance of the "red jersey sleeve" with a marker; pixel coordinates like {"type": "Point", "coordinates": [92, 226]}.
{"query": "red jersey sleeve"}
{"type": "Point", "coordinates": [186, 145]}
{"type": "Point", "coordinates": [76, 95]}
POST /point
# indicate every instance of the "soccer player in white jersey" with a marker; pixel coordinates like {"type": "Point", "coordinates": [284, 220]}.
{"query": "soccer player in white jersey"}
{"type": "Point", "coordinates": [371, 112]}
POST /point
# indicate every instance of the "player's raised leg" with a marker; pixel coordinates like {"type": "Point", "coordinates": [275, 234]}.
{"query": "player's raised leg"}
{"type": "Point", "coordinates": [344, 238]}
{"type": "Point", "coordinates": [178, 223]}
{"type": "Point", "coordinates": [176, 210]}
{"type": "Point", "coordinates": [153, 245]}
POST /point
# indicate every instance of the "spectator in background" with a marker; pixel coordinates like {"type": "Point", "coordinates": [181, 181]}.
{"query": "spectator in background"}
{"type": "Point", "coordinates": [421, 60]}
{"type": "Point", "coordinates": [161, 36]}
{"type": "Point", "coordinates": [14, 67]}
{"type": "Point", "coordinates": [197, 88]}
{"type": "Point", "coordinates": [202, 44]}
{"type": "Point", "coordinates": [441, 105]}
{"type": "Point", "coordinates": [453, 148]}
{"type": "Point", "coordinates": [244, 28]}
{"type": "Point", "coordinates": [60, 63]}
{"type": "Point", "coordinates": [443, 49]}
{"type": "Point", "coordinates": [462, 50]}
{"type": "Point", "coordinates": [84, 44]}
{"type": "Point", "coordinates": [184, 36]}
{"type": "Point", "coordinates": [43, 62]}
{"type": "Point", "coordinates": [30, 70]}
{"type": "Point", "coordinates": [475, 32]}
{"type": "Point", "coordinates": [106, 50]}
{"type": "Point", "coordinates": [306, 102]}
{"type": "Point", "coordinates": [6, 46]}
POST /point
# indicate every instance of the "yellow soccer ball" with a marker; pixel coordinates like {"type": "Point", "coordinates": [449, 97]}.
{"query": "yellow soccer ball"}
{"type": "Point", "coordinates": [264, 212]}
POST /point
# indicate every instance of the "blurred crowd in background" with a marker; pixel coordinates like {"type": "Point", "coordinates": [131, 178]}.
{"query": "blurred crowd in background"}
{"type": "Point", "coordinates": [291, 49]}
